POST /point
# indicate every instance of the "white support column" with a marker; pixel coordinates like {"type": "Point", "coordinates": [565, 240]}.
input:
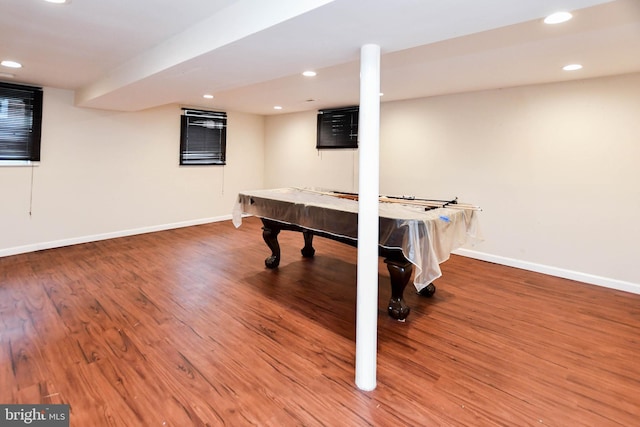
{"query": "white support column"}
{"type": "Point", "coordinates": [369, 172]}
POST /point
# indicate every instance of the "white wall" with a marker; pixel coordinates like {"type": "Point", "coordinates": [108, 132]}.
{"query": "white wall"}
{"type": "Point", "coordinates": [555, 168]}
{"type": "Point", "coordinates": [291, 159]}
{"type": "Point", "coordinates": [106, 173]}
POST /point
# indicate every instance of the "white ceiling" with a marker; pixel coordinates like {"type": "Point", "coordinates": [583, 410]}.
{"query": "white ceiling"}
{"type": "Point", "coordinates": [135, 54]}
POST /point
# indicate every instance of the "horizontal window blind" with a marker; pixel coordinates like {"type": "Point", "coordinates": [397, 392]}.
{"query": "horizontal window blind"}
{"type": "Point", "coordinates": [338, 128]}
{"type": "Point", "coordinates": [203, 137]}
{"type": "Point", "coordinates": [20, 122]}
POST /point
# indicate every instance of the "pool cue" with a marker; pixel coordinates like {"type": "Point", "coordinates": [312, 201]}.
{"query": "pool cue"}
{"type": "Point", "coordinates": [447, 202]}
{"type": "Point", "coordinates": [427, 203]}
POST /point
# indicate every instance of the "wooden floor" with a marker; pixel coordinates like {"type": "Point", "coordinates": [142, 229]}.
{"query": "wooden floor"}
{"type": "Point", "coordinates": [186, 327]}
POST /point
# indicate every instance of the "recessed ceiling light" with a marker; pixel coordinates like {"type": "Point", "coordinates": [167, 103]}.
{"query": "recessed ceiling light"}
{"type": "Point", "coordinates": [572, 67]}
{"type": "Point", "coordinates": [208, 96]}
{"type": "Point", "coordinates": [277, 107]}
{"type": "Point", "coordinates": [58, 1]}
{"type": "Point", "coordinates": [558, 18]}
{"type": "Point", "coordinates": [309, 73]}
{"type": "Point", "coordinates": [11, 64]}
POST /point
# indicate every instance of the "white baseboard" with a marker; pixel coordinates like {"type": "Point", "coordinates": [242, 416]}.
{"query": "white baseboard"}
{"type": "Point", "coordinates": [104, 236]}
{"type": "Point", "coordinates": [552, 271]}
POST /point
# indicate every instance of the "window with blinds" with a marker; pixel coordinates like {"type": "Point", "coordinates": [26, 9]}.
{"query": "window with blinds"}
{"type": "Point", "coordinates": [203, 137]}
{"type": "Point", "coordinates": [338, 128]}
{"type": "Point", "coordinates": [20, 122]}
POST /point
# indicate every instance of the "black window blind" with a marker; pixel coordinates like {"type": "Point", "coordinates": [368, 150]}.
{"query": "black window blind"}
{"type": "Point", "coordinates": [203, 137]}
{"type": "Point", "coordinates": [20, 122]}
{"type": "Point", "coordinates": [338, 128]}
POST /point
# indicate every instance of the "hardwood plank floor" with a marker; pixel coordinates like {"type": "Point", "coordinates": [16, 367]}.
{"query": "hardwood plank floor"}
{"type": "Point", "coordinates": [187, 327]}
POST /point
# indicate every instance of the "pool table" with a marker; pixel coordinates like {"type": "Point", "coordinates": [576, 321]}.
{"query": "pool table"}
{"type": "Point", "coordinates": [409, 235]}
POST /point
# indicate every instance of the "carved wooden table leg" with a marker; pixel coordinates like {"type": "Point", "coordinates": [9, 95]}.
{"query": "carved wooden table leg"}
{"type": "Point", "coordinates": [400, 273]}
{"type": "Point", "coordinates": [270, 232]}
{"type": "Point", "coordinates": [308, 251]}
{"type": "Point", "coordinates": [428, 290]}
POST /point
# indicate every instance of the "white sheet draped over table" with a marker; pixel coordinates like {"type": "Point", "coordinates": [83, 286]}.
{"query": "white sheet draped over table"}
{"type": "Point", "coordinates": [426, 238]}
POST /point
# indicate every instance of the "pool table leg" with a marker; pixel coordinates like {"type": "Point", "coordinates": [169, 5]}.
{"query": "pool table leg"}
{"type": "Point", "coordinates": [308, 251]}
{"type": "Point", "coordinates": [270, 235]}
{"type": "Point", "coordinates": [399, 272]}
